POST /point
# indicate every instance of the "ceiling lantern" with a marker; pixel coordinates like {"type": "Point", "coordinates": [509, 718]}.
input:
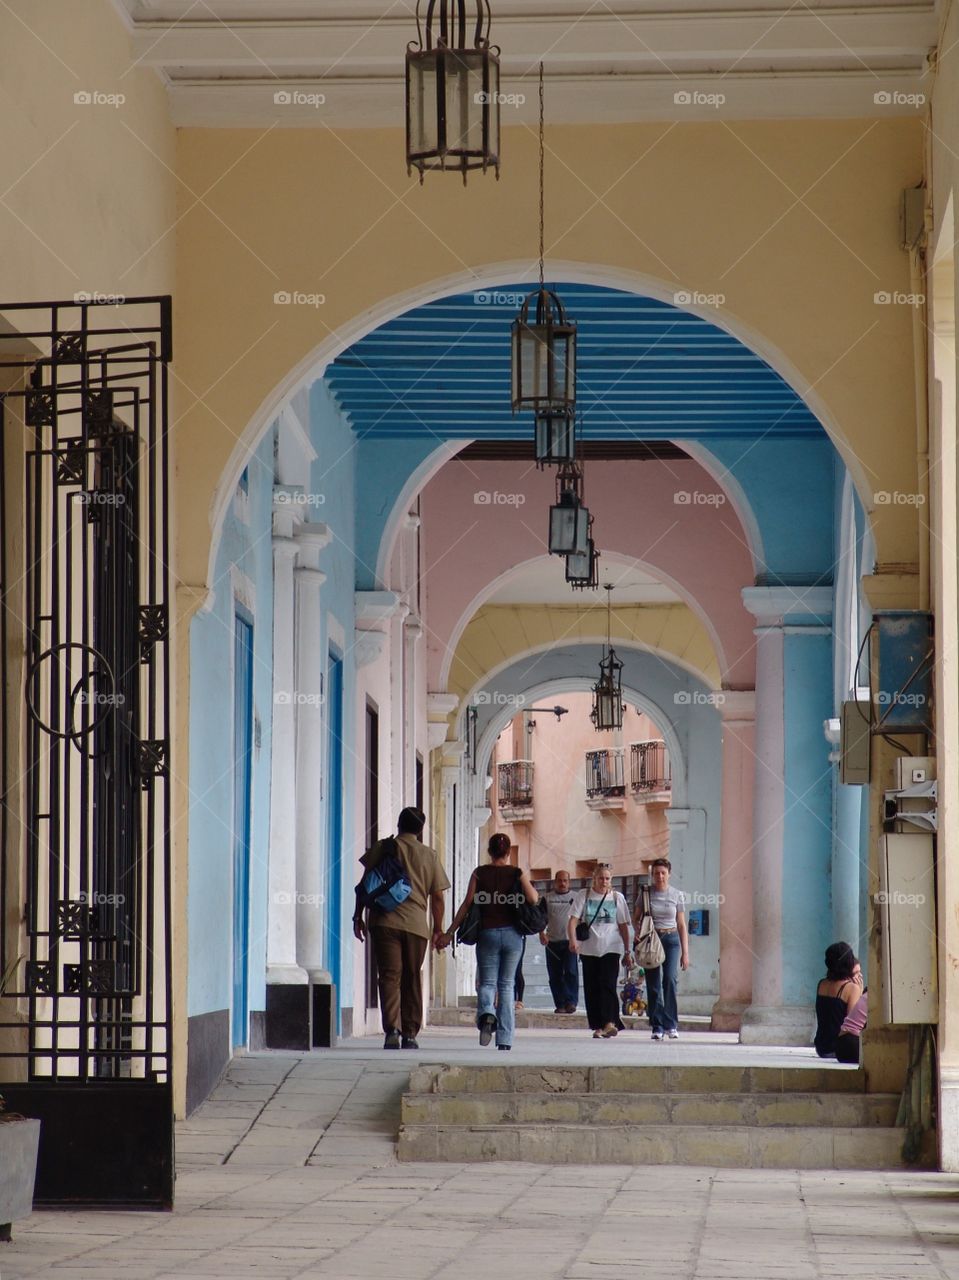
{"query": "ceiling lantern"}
{"type": "Point", "coordinates": [608, 705]}
{"type": "Point", "coordinates": [544, 338]}
{"type": "Point", "coordinates": [582, 571]}
{"type": "Point", "coordinates": [555, 439]}
{"type": "Point", "coordinates": [452, 89]}
{"type": "Point", "coordinates": [568, 518]}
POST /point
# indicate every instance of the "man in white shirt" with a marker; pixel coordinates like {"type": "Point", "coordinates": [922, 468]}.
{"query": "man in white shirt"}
{"type": "Point", "coordinates": [561, 965]}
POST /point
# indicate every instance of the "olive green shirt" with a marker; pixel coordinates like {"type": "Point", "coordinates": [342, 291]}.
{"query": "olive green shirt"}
{"type": "Point", "coordinates": [426, 875]}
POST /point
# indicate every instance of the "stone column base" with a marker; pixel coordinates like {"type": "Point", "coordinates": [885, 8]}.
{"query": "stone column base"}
{"type": "Point", "coordinates": [727, 1015]}
{"type": "Point", "coordinates": [778, 1024]}
{"type": "Point", "coordinates": [948, 1119]}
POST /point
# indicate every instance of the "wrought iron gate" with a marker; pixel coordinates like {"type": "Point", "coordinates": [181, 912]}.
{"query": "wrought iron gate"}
{"type": "Point", "coordinates": [86, 812]}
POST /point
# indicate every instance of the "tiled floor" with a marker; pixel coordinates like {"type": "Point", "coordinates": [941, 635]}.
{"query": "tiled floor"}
{"type": "Point", "coordinates": [288, 1172]}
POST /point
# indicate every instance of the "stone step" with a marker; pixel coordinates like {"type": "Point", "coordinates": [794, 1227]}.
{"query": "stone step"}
{"type": "Point", "coordinates": [722, 1110]}
{"type": "Point", "coordinates": [546, 1020]}
{"type": "Point", "coordinates": [442, 1079]}
{"type": "Point", "coordinates": [727, 1146]}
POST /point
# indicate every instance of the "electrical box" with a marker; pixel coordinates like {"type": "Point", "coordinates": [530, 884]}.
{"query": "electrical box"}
{"type": "Point", "coordinates": [907, 923]}
{"type": "Point", "coordinates": [912, 770]}
{"type": "Point", "coordinates": [855, 744]}
{"type": "Point", "coordinates": [904, 652]}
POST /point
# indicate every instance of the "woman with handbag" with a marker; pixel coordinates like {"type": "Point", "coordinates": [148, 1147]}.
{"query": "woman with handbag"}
{"type": "Point", "coordinates": [598, 931]}
{"type": "Point", "coordinates": [499, 890]}
{"type": "Point", "coordinates": [661, 912]}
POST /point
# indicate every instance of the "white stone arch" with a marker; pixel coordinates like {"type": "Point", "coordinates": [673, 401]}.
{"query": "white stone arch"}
{"type": "Point", "coordinates": [313, 365]}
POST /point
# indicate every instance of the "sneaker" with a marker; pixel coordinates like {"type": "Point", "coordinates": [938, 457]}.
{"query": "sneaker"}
{"type": "Point", "coordinates": [487, 1025]}
{"type": "Point", "coordinates": [409, 1042]}
{"type": "Point", "coordinates": [570, 1008]}
{"type": "Point", "coordinates": [505, 1047]}
{"type": "Point", "coordinates": [559, 1009]}
{"type": "Point", "coordinates": [673, 1033]}
{"type": "Point", "coordinates": [392, 1040]}
{"type": "Point", "coordinates": [657, 1035]}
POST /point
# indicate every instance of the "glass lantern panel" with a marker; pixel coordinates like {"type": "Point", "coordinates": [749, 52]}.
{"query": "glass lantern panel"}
{"type": "Point", "coordinates": [566, 375]}
{"type": "Point", "coordinates": [579, 568]}
{"type": "Point", "coordinates": [562, 530]}
{"type": "Point", "coordinates": [534, 363]}
{"type": "Point", "coordinates": [465, 102]}
{"type": "Point", "coordinates": [422, 106]}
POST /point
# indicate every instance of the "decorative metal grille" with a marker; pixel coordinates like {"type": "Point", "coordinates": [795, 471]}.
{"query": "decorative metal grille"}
{"type": "Point", "coordinates": [604, 773]}
{"type": "Point", "coordinates": [649, 768]}
{"type": "Point", "coordinates": [85, 858]}
{"type": "Point", "coordinates": [516, 784]}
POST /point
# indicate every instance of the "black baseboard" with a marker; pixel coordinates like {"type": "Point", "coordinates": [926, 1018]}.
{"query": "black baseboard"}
{"type": "Point", "coordinates": [207, 1054]}
{"type": "Point", "coordinates": [324, 1016]}
{"type": "Point", "coordinates": [287, 1016]}
{"type": "Point", "coordinates": [102, 1146]}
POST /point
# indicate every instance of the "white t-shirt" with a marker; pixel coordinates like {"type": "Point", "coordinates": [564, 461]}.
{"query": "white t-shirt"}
{"type": "Point", "coordinates": [664, 904]}
{"type": "Point", "coordinates": [604, 936]}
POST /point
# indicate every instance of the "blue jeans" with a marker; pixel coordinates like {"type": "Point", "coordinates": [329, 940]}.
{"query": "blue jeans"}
{"type": "Point", "coordinates": [497, 955]}
{"type": "Point", "coordinates": [661, 987]}
{"type": "Point", "coordinates": [563, 969]}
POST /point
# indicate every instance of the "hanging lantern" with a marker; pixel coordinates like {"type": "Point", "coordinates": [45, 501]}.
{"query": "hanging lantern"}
{"type": "Point", "coordinates": [608, 705]}
{"type": "Point", "coordinates": [582, 571]}
{"type": "Point", "coordinates": [544, 357]}
{"type": "Point", "coordinates": [555, 439]}
{"type": "Point", "coordinates": [568, 518]}
{"type": "Point", "coordinates": [544, 338]}
{"type": "Point", "coordinates": [452, 90]}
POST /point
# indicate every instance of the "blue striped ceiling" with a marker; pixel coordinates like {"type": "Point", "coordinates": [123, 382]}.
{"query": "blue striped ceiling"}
{"type": "Point", "coordinates": [647, 370]}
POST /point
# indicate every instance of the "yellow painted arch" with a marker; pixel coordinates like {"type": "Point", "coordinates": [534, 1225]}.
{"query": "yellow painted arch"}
{"type": "Point", "coordinates": [499, 634]}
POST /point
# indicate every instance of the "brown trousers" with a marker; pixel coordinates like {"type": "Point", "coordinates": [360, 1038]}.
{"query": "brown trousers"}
{"type": "Point", "coordinates": [399, 964]}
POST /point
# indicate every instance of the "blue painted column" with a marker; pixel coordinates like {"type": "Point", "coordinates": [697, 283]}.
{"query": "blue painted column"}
{"type": "Point", "coordinates": [792, 849]}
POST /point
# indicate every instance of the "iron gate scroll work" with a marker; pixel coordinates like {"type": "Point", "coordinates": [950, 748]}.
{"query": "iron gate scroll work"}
{"type": "Point", "coordinates": [86, 811]}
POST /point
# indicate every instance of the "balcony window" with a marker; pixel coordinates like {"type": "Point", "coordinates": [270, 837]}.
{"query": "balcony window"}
{"type": "Point", "coordinates": [515, 788]}
{"type": "Point", "coordinates": [650, 776]}
{"type": "Point", "coordinates": [605, 774]}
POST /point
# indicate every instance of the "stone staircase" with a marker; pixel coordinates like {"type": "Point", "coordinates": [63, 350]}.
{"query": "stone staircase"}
{"type": "Point", "coordinates": [739, 1117]}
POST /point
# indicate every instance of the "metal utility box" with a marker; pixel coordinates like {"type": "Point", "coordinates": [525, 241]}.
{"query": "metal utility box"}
{"type": "Point", "coordinates": [907, 919]}
{"type": "Point", "coordinates": [855, 743]}
{"type": "Point", "coordinates": [904, 666]}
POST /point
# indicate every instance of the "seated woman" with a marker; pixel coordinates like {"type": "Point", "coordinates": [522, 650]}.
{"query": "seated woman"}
{"type": "Point", "coordinates": [848, 1040]}
{"type": "Point", "coordinates": [836, 996]}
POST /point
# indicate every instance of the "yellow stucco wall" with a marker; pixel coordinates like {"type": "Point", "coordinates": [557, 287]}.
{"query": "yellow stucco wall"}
{"type": "Point", "coordinates": [498, 634]}
{"type": "Point", "coordinates": [796, 223]}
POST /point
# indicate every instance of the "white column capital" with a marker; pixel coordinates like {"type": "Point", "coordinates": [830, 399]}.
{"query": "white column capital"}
{"type": "Point", "coordinates": [308, 576]}
{"type": "Point", "coordinates": [414, 626]}
{"type": "Point", "coordinates": [374, 607]}
{"type": "Point", "coordinates": [312, 537]}
{"type": "Point", "coordinates": [441, 705]}
{"type": "Point", "coordinates": [771, 606]}
{"type": "Point", "coordinates": [284, 547]}
{"type": "Point", "coordinates": [737, 706]}
{"type": "Point", "coordinates": [436, 731]}
{"type": "Point", "coordinates": [368, 646]}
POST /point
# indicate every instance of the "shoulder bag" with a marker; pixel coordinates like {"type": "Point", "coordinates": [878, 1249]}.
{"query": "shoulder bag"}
{"type": "Point", "coordinates": [583, 929]}
{"type": "Point", "coordinates": [531, 917]}
{"type": "Point", "coordinates": [648, 949]}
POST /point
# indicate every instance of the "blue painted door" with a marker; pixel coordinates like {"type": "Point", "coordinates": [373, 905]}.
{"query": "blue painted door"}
{"type": "Point", "coordinates": [334, 811]}
{"type": "Point", "coordinates": [242, 778]}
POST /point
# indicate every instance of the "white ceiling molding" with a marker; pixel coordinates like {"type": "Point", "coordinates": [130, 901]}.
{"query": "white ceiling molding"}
{"type": "Point", "coordinates": [337, 64]}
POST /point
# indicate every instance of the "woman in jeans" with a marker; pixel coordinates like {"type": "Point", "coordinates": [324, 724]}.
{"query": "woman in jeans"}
{"type": "Point", "coordinates": [498, 888]}
{"type": "Point", "coordinates": [606, 914]}
{"type": "Point", "coordinates": [669, 918]}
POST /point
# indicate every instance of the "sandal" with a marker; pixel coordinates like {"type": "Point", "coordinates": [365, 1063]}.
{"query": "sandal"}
{"type": "Point", "coordinates": [609, 1031]}
{"type": "Point", "coordinates": [597, 1035]}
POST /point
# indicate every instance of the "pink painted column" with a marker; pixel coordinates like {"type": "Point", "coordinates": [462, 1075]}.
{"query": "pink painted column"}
{"type": "Point", "coordinates": [738, 710]}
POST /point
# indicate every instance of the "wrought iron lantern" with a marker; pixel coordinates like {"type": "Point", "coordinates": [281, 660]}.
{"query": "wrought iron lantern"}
{"type": "Point", "coordinates": [582, 571]}
{"type": "Point", "coordinates": [608, 705]}
{"type": "Point", "coordinates": [544, 356]}
{"type": "Point", "coordinates": [544, 338]}
{"type": "Point", "coordinates": [568, 518]}
{"type": "Point", "coordinates": [555, 439]}
{"type": "Point", "coordinates": [452, 90]}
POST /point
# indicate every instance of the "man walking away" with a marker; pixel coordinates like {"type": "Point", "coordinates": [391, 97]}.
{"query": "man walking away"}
{"type": "Point", "coordinates": [401, 936]}
{"type": "Point", "coordinates": [561, 965]}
